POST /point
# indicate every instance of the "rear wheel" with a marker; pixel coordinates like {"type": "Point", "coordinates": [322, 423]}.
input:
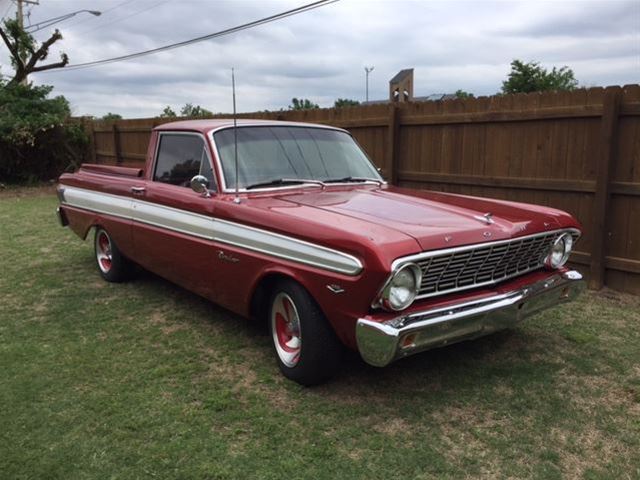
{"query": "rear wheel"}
{"type": "Point", "coordinates": [113, 266]}
{"type": "Point", "coordinates": [306, 347]}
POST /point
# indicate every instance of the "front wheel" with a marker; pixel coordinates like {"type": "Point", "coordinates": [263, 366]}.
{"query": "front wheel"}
{"type": "Point", "coordinates": [113, 266]}
{"type": "Point", "coordinates": [306, 347]}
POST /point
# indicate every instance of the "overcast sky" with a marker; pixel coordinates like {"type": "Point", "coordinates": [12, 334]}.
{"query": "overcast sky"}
{"type": "Point", "coordinates": [321, 54]}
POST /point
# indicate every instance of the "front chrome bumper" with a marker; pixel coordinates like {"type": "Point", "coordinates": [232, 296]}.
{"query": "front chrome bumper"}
{"type": "Point", "coordinates": [381, 343]}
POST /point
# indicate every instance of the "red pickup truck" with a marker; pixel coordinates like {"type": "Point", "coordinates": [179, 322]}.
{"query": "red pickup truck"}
{"type": "Point", "coordinates": [292, 223]}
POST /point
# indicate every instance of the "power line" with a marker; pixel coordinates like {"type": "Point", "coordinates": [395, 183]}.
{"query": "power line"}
{"type": "Point", "coordinates": [116, 20]}
{"type": "Point", "coordinates": [78, 22]}
{"type": "Point", "coordinates": [246, 26]}
{"type": "Point", "coordinates": [4, 15]}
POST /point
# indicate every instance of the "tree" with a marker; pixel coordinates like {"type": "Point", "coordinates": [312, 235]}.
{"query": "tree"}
{"type": "Point", "coordinates": [190, 110]}
{"type": "Point", "coordinates": [531, 77]}
{"type": "Point", "coordinates": [26, 53]}
{"type": "Point", "coordinates": [37, 140]}
{"type": "Point", "coordinates": [168, 113]}
{"type": "Point", "coordinates": [345, 102]}
{"type": "Point", "coordinates": [112, 116]}
{"type": "Point", "coordinates": [462, 94]}
{"type": "Point", "coordinates": [302, 104]}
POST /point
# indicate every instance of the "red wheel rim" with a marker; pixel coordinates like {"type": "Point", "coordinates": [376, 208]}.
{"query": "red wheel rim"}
{"type": "Point", "coordinates": [103, 251]}
{"type": "Point", "coordinates": [285, 326]}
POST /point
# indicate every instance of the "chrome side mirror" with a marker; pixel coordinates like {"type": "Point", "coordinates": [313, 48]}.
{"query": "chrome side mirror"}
{"type": "Point", "coordinates": [200, 184]}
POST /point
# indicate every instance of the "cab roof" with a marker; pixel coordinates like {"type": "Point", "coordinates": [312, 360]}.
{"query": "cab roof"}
{"type": "Point", "coordinates": [206, 125]}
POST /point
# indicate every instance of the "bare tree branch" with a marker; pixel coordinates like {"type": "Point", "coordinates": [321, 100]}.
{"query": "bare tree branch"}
{"type": "Point", "coordinates": [23, 43]}
{"type": "Point", "coordinates": [43, 51]}
{"type": "Point", "coordinates": [13, 47]}
{"type": "Point", "coordinates": [60, 64]}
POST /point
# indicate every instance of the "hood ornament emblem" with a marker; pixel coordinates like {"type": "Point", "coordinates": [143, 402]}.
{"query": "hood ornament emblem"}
{"type": "Point", "coordinates": [447, 238]}
{"type": "Point", "coordinates": [486, 218]}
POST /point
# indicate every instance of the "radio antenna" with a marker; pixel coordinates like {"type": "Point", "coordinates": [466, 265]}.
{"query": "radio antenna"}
{"type": "Point", "coordinates": [235, 132]}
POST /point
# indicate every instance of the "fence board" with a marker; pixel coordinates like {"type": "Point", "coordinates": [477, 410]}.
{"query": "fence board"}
{"type": "Point", "coordinates": [568, 150]}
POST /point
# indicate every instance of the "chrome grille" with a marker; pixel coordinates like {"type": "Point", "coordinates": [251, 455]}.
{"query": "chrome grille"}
{"type": "Point", "coordinates": [472, 266]}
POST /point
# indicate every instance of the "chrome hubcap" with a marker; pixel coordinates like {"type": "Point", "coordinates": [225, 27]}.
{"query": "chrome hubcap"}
{"type": "Point", "coordinates": [103, 251]}
{"type": "Point", "coordinates": [285, 325]}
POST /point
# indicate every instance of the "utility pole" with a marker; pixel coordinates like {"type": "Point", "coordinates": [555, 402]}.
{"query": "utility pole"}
{"type": "Point", "coordinates": [20, 18]}
{"type": "Point", "coordinates": [20, 13]}
{"type": "Point", "coordinates": [368, 70]}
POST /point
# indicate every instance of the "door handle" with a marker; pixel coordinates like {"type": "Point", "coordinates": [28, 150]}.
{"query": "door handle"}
{"type": "Point", "coordinates": [138, 190]}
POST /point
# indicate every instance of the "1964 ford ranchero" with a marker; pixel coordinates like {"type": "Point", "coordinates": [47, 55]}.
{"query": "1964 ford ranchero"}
{"type": "Point", "coordinates": [292, 223]}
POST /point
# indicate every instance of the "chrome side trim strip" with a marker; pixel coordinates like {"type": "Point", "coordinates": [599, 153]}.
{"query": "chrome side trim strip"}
{"type": "Point", "coordinates": [213, 229]}
{"type": "Point", "coordinates": [286, 247]}
{"type": "Point", "coordinates": [99, 202]}
{"type": "Point", "coordinates": [173, 219]}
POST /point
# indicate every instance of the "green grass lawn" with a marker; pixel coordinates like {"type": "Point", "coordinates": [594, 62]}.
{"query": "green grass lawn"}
{"type": "Point", "coordinates": [146, 380]}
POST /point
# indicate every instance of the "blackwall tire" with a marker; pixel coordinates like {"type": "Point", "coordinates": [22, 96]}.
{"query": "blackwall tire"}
{"type": "Point", "coordinates": [306, 347]}
{"type": "Point", "coordinates": [112, 265]}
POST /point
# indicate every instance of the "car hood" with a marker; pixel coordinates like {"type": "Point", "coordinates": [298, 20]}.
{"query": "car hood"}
{"type": "Point", "coordinates": [433, 219]}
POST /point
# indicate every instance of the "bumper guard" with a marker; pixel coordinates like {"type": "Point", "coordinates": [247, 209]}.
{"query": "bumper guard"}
{"type": "Point", "coordinates": [381, 343]}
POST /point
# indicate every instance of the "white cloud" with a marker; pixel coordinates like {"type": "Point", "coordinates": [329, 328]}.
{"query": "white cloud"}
{"type": "Point", "coordinates": [321, 54]}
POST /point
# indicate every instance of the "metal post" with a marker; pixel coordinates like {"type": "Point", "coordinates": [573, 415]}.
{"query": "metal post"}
{"type": "Point", "coordinates": [19, 15]}
{"type": "Point", "coordinates": [367, 70]}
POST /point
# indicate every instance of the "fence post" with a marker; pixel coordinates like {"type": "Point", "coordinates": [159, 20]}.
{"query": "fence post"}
{"type": "Point", "coordinates": [606, 160]}
{"type": "Point", "coordinates": [393, 136]}
{"type": "Point", "coordinates": [116, 143]}
{"type": "Point", "coordinates": [91, 135]}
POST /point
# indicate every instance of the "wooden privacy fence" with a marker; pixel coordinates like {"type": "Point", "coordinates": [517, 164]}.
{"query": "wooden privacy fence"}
{"type": "Point", "coordinates": [577, 151]}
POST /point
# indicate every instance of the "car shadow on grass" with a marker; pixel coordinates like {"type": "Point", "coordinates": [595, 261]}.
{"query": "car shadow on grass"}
{"type": "Point", "coordinates": [505, 356]}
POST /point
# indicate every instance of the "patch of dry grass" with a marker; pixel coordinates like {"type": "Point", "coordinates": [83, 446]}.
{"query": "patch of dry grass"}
{"type": "Point", "coordinates": [147, 380]}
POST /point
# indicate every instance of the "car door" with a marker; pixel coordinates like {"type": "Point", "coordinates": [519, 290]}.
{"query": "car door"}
{"type": "Point", "coordinates": [173, 225]}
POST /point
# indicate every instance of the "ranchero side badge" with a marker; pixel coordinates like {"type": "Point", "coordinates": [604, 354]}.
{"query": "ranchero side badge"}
{"type": "Point", "coordinates": [227, 257]}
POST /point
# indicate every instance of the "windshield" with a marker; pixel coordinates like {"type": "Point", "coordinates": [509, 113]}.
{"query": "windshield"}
{"type": "Point", "coordinates": [268, 154]}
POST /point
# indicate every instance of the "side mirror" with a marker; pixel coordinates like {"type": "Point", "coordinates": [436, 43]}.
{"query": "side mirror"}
{"type": "Point", "coordinates": [200, 184]}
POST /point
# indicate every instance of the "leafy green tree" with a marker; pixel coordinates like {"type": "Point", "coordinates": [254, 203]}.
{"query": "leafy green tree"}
{"type": "Point", "coordinates": [345, 102]}
{"type": "Point", "coordinates": [168, 113]}
{"type": "Point", "coordinates": [531, 77]}
{"type": "Point", "coordinates": [190, 110]}
{"type": "Point", "coordinates": [462, 94]}
{"type": "Point", "coordinates": [112, 116]}
{"type": "Point", "coordinates": [37, 141]}
{"type": "Point", "coordinates": [26, 53]}
{"type": "Point", "coordinates": [302, 104]}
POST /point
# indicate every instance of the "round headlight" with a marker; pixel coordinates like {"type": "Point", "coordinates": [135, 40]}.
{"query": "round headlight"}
{"type": "Point", "coordinates": [560, 251]}
{"type": "Point", "coordinates": [402, 288]}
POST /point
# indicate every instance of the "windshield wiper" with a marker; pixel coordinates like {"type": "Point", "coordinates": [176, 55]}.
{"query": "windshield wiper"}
{"type": "Point", "coordinates": [283, 182]}
{"type": "Point", "coordinates": [354, 179]}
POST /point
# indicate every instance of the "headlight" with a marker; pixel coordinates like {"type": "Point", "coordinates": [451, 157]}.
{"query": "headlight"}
{"type": "Point", "coordinates": [560, 251]}
{"type": "Point", "coordinates": [402, 288]}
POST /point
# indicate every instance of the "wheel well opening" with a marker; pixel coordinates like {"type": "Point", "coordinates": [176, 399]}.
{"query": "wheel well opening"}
{"type": "Point", "coordinates": [91, 231]}
{"type": "Point", "coordinates": [259, 310]}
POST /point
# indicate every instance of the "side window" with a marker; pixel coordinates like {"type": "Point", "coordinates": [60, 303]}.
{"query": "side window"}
{"type": "Point", "coordinates": [180, 157]}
